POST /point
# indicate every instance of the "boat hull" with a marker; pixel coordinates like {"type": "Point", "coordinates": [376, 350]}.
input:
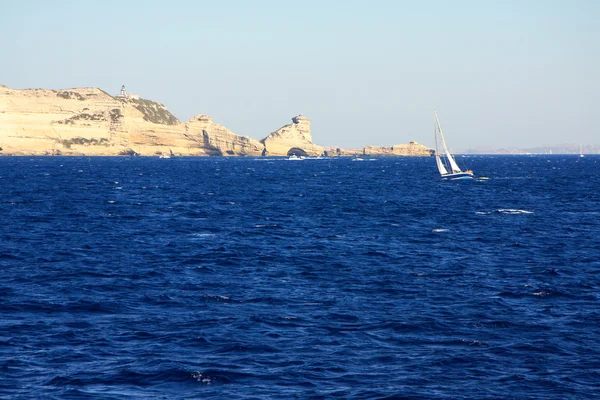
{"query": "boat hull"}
{"type": "Point", "coordinates": [457, 176]}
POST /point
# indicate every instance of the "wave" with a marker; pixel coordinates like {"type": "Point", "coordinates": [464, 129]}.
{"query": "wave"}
{"type": "Point", "coordinates": [317, 280]}
{"type": "Point", "coordinates": [513, 211]}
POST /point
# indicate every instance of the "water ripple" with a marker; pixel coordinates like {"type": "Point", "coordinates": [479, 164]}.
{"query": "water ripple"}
{"type": "Point", "coordinates": [244, 278]}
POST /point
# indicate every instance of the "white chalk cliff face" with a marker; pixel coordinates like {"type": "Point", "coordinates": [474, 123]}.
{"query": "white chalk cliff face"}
{"type": "Point", "coordinates": [216, 139]}
{"type": "Point", "coordinates": [83, 121]}
{"type": "Point", "coordinates": [411, 149]}
{"type": "Point", "coordinates": [90, 121]}
{"type": "Point", "coordinates": [293, 138]}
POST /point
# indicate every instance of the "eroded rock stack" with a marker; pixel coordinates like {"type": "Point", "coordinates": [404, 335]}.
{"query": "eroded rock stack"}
{"type": "Point", "coordinates": [292, 138]}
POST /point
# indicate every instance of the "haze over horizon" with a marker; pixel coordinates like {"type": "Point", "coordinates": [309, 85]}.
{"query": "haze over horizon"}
{"type": "Point", "coordinates": [499, 74]}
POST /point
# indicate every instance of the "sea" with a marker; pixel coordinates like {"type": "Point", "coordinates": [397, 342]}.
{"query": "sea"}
{"type": "Point", "coordinates": [267, 278]}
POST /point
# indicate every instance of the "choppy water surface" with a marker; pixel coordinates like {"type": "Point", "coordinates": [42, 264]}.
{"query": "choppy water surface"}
{"type": "Point", "coordinates": [265, 278]}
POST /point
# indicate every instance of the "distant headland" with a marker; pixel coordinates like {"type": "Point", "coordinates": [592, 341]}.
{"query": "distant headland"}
{"type": "Point", "coordinates": [91, 122]}
{"type": "Point", "coordinates": [566, 148]}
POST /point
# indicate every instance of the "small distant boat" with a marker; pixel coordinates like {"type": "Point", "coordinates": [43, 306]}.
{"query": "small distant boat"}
{"type": "Point", "coordinates": [581, 151]}
{"type": "Point", "coordinates": [446, 163]}
{"type": "Point", "coordinates": [294, 157]}
{"type": "Point", "coordinates": [165, 155]}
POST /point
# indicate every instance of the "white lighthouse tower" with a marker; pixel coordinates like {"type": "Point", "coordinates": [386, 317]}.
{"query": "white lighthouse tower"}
{"type": "Point", "coordinates": [123, 93]}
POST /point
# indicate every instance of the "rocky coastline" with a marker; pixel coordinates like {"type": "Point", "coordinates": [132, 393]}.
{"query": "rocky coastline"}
{"type": "Point", "coordinates": [91, 122]}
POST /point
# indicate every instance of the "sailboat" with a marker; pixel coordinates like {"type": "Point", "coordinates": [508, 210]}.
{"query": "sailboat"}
{"type": "Point", "coordinates": [581, 151]}
{"type": "Point", "coordinates": [446, 164]}
{"type": "Point", "coordinates": [165, 155]}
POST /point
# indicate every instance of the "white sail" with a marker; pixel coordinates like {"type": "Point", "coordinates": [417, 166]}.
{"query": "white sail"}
{"type": "Point", "coordinates": [440, 165]}
{"type": "Point", "coordinates": [438, 158]}
{"type": "Point", "coordinates": [453, 164]}
{"type": "Point", "coordinates": [450, 164]}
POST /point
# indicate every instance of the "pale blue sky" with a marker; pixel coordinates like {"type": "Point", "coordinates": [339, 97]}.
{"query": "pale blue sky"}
{"type": "Point", "coordinates": [499, 73]}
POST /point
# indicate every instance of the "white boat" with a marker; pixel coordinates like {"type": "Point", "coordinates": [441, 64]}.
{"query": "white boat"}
{"type": "Point", "coordinates": [581, 151]}
{"type": "Point", "coordinates": [164, 155]}
{"type": "Point", "coordinates": [446, 163]}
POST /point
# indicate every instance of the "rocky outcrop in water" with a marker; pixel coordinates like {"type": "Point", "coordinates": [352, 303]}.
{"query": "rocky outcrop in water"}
{"type": "Point", "coordinates": [294, 138]}
{"type": "Point", "coordinates": [411, 149]}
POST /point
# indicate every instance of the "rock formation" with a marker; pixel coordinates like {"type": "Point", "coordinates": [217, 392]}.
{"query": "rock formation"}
{"type": "Point", "coordinates": [411, 149]}
{"type": "Point", "coordinates": [89, 121]}
{"type": "Point", "coordinates": [218, 140]}
{"type": "Point", "coordinates": [291, 139]}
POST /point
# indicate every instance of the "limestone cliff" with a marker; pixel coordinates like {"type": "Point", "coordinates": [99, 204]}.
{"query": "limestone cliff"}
{"type": "Point", "coordinates": [218, 140]}
{"type": "Point", "coordinates": [290, 139]}
{"type": "Point", "coordinates": [92, 122]}
{"type": "Point", "coordinates": [411, 149]}
{"type": "Point", "coordinates": [89, 121]}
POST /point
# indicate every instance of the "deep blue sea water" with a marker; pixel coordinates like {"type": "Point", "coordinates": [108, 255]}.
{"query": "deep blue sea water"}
{"type": "Point", "coordinates": [262, 278]}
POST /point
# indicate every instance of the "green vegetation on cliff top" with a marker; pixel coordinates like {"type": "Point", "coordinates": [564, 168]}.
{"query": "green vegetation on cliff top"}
{"type": "Point", "coordinates": [154, 112]}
